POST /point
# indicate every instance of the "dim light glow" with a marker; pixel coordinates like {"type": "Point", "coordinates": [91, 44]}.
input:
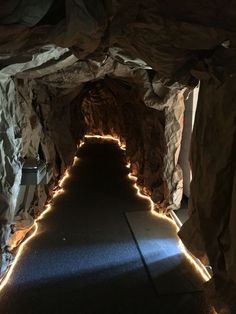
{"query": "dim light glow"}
{"type": "Point", "coordinates": [76, 159]}
{"type": "Point", "coordinates": [65, 177]}
{"type": "Point", "coordinates": [107, 137]}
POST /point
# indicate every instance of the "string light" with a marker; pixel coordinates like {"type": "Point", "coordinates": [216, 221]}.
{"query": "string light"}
{"type": "Point", "coordinates": [48, 207]}
{"type": "Point", "coordinates": [199, 267]}
{"type": "Point", "coordinates": [107, 137]}
{"type": "Point", "coordinates": [197, 264]}
{"type": "Point", "coordinates": [174, 220]}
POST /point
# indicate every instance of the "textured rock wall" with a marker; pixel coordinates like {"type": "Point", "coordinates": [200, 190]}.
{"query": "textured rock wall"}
{"type": "Point", "coordinates": [166, 100]}
{"type": "Point", "coordinates": [10, 165]}
{"type": "Point", "coordinates": [14, 136]}
{"type": "Point", "coordinates": [211, 228]}
{"type": "Point", "coordinates": [182, 41]}
{"type": "Point", "coordinates": [58, 119]}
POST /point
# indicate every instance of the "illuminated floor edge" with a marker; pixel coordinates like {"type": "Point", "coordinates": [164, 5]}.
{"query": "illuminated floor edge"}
{"type": "Point", "coordinates": [48, 207]}
{"type": "Point", "coordinates": [200, 267]}
{"type": "Point", "coordinates": [179, 224]}
{"type": "Point", "coordinates": [53, 273]}
{"type": "Point", "coordinates": [163, 257]}
{"type": "Point", "coordinates": [85, 261]}
{"type": "Point", "coordinates": [174, 219]}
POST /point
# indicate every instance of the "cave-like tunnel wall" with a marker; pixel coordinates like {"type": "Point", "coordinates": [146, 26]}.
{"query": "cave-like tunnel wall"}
{"type": "Point", "coordinates": [48, 114]}
{"type": "Point", "coordinates": [167, 101]}
{"type": "Point", "coordinates": [182, 43]}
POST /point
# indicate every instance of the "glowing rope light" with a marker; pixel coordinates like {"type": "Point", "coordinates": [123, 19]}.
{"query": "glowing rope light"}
{"type": "Point", "coordinates": [199, 267]}
{"type": "Point", "coordinates": [195, 262]}
{"type": "Point", "coordinates": [107, 137]}
{"type": "Point", "coordinates": [48, 207]}
{"type": "Point", "coordinates": [65, 177]}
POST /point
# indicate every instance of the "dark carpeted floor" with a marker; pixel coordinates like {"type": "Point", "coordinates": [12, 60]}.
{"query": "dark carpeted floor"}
{"type": "Point", "coordinates": [84, 259]}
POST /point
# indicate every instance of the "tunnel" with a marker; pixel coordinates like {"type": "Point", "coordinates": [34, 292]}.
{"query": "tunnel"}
{"type": "Point", "coordinates": [117, 157]}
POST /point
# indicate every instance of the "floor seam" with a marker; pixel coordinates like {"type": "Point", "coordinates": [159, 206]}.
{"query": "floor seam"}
{"type": "Point", "coordinates": [141, 256]}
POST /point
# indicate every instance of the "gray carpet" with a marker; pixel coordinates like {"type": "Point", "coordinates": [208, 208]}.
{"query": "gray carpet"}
{"type": "Point", "coordinates": [159, 245]}
{"type": "Point", "coordinates": [85, 260]}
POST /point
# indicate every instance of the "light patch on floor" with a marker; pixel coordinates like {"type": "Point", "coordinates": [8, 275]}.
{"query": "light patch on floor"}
{"type": "Point", "coordinates": [159, 246]}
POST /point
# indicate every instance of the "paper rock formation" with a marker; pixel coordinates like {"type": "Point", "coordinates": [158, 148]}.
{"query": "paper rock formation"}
{"type": "Point", "coordinates": [124, 68]}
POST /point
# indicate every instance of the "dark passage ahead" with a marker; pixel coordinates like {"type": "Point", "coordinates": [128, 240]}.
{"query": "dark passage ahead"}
{"type": "Point", "coordinates": [84, 260]}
